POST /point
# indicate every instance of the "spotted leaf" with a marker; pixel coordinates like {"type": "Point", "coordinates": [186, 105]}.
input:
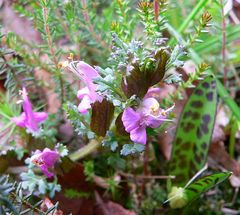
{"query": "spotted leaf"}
{"type": "Point", "coordinates": [180, 197]}
{"type": "Point", "coordinates": [195, 189]}
{"type": "Point", "coordinates": [194, 131]}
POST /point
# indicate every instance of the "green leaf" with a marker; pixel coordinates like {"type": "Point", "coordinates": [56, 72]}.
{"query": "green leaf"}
{"type": "Point", "coordinates": [71, 193]}
{"type": "Point", "coordinates": [213, 45]}
{"type": "Point", "coordinates": [223, 93]}
{"type": "Point", "coordinates": [195, 189]}
{"type": "Point", "coordinates": [180, 197]}
{"type": "Point", "coordinates": [62, 150]}
{"type": "Point", "coordinates": [194, 131]}
{"type": "Point", "coordinates": [132, 149]}
{"type": "Point", "coordinates": [196, 10]}
{"type": "Point", "coordinates": [173, 78]}
{"type": "Point", "coordinates": [32, 182]}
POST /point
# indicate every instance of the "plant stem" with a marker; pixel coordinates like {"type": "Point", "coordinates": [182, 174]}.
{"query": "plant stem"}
{"type": "Point", "coordinates": [86, 150]}
{"type": "Point", "coordinates": [224, 44]}
{"type": "Point", "coordinates": [221, 89]}
{"type": "Point", "coordinates": [201, 4]}
{"type": "Point", "coordinates": [90, 27]}
{"type": "Point", "coordinates": [149, 177]}
{"type": "Point", "coordinates": [145, 167]}
{"type": "Point", "coordinates": [53, 54]}
{"type": "Point", "coordinates": [156, 9]}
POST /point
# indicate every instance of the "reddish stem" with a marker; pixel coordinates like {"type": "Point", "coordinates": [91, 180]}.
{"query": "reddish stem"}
{"type": "Point", "coordinates": [145, 168]}
{"type": "Point", "coordinates": [156, 9]}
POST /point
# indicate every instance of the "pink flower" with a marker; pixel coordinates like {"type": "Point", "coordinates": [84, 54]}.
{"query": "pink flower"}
{"type": "Point", "coordinates": [148, 114]}
{"type": "Point", "coordinates": [88, 94]}
{"type": "Point", "coordinates": [45, 160]}
{"type": "Point", "coordinates": [29, 119]}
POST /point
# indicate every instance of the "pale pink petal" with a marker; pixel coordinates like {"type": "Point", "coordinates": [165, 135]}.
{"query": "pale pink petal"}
{"type": "Point", "coordinates": [148, 105]}
{"type": "Point", "coordinates": [85, 105]}
{"type": "Point", "coordinates": [153, 121]}
{"type": "Point", "coordinates": [20, 121]}
{"type": "Point", "coordinates": [40, 116]}
{"type": "Point", "coordinates": [152, 92]}
{"type": "Point", "coordinates": [87, 73]}
{"type": "Point", "coordinates": [31, 123]}
{"type": "Point", "coordinates": [139, 135]}
{"type": "Point", "coordinates": [149, 102]}
{"type": "Point", "coordinates": [27, 106]}
{"type": "Point", "coordinates": [81, 93]}
{"type": "Point", "coordinates": [130, 119]}
{"type": "Point", "coordinates": [87, 70]}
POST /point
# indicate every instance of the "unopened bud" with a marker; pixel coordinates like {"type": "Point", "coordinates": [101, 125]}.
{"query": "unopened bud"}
{"type": "Point", "coordinates": [177, 197]}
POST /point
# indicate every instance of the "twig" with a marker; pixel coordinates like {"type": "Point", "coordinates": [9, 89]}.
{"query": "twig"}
{"type": "Point", "coordinates": [150, 177]}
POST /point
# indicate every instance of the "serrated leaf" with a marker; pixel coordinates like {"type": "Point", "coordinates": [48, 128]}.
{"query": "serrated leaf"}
{"type": "Point", "coordinates": [194, 131]}
{"type": "Point", "coordinates": [62, 150]}
{"type": "Point", "coordinates": [30, 181]}
{"type": "Point", "coordinates": [132, 149]}
{"type": "Point", "coordinates": [173, 78]}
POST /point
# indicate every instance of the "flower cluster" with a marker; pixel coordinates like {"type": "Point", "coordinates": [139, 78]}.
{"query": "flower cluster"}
{"type": "Point", "coordinates": [135, 119]}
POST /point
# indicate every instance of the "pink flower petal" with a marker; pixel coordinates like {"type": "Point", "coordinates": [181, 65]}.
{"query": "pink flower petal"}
{"type": "Point", "coordinates": [45, 160]}
{"type": "Point", "coordinates": [81, 93]}
{"type": "Point", "coordinates": [87, 73]}
{"type": "Point", "coordinates": [40, 116]}
{"type": "Point", "coordinates": [46, 172]}
{"type": "Point", "coordinates": [152, 92]}
{"type": "Point", "coordinates": [20, 121]}
{"type": "Point", "coordinates": [28, 118]}
{"type": "Point", "coordinates": [50, 157]}
{"type": "Point", "coordinates": [153, 121]}
{"type": "Point", "coordinates": [130, 119]}
{"type": "Point", "coordinates": [85, 105]}
{"type": "Point", "coordinates": [87, 70]}
{"type": "Point", "coordinates": [139, 135]}
{"type": "Point", "coordinates": [149, 102]}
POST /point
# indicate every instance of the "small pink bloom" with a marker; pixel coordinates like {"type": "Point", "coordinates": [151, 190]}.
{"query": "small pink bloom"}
{"type": "Point", "coordinates": [88, 94]}
{"type": "Point", "coordinates": [45, 160]}
{"type": "Point", "coordinates": [29, 119]}
{"type": "Point", "coordinates": [148, 114]}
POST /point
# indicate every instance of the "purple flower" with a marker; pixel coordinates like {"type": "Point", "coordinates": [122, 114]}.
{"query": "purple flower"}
{"type": "Point", "coordinates": [148, 114]}
{"type": "Point", "coordinates": [29, 119]}
{"type": "Point", "coordinates": [88, 94]}
{"type": "Point", "coordinates": [45, 160]}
